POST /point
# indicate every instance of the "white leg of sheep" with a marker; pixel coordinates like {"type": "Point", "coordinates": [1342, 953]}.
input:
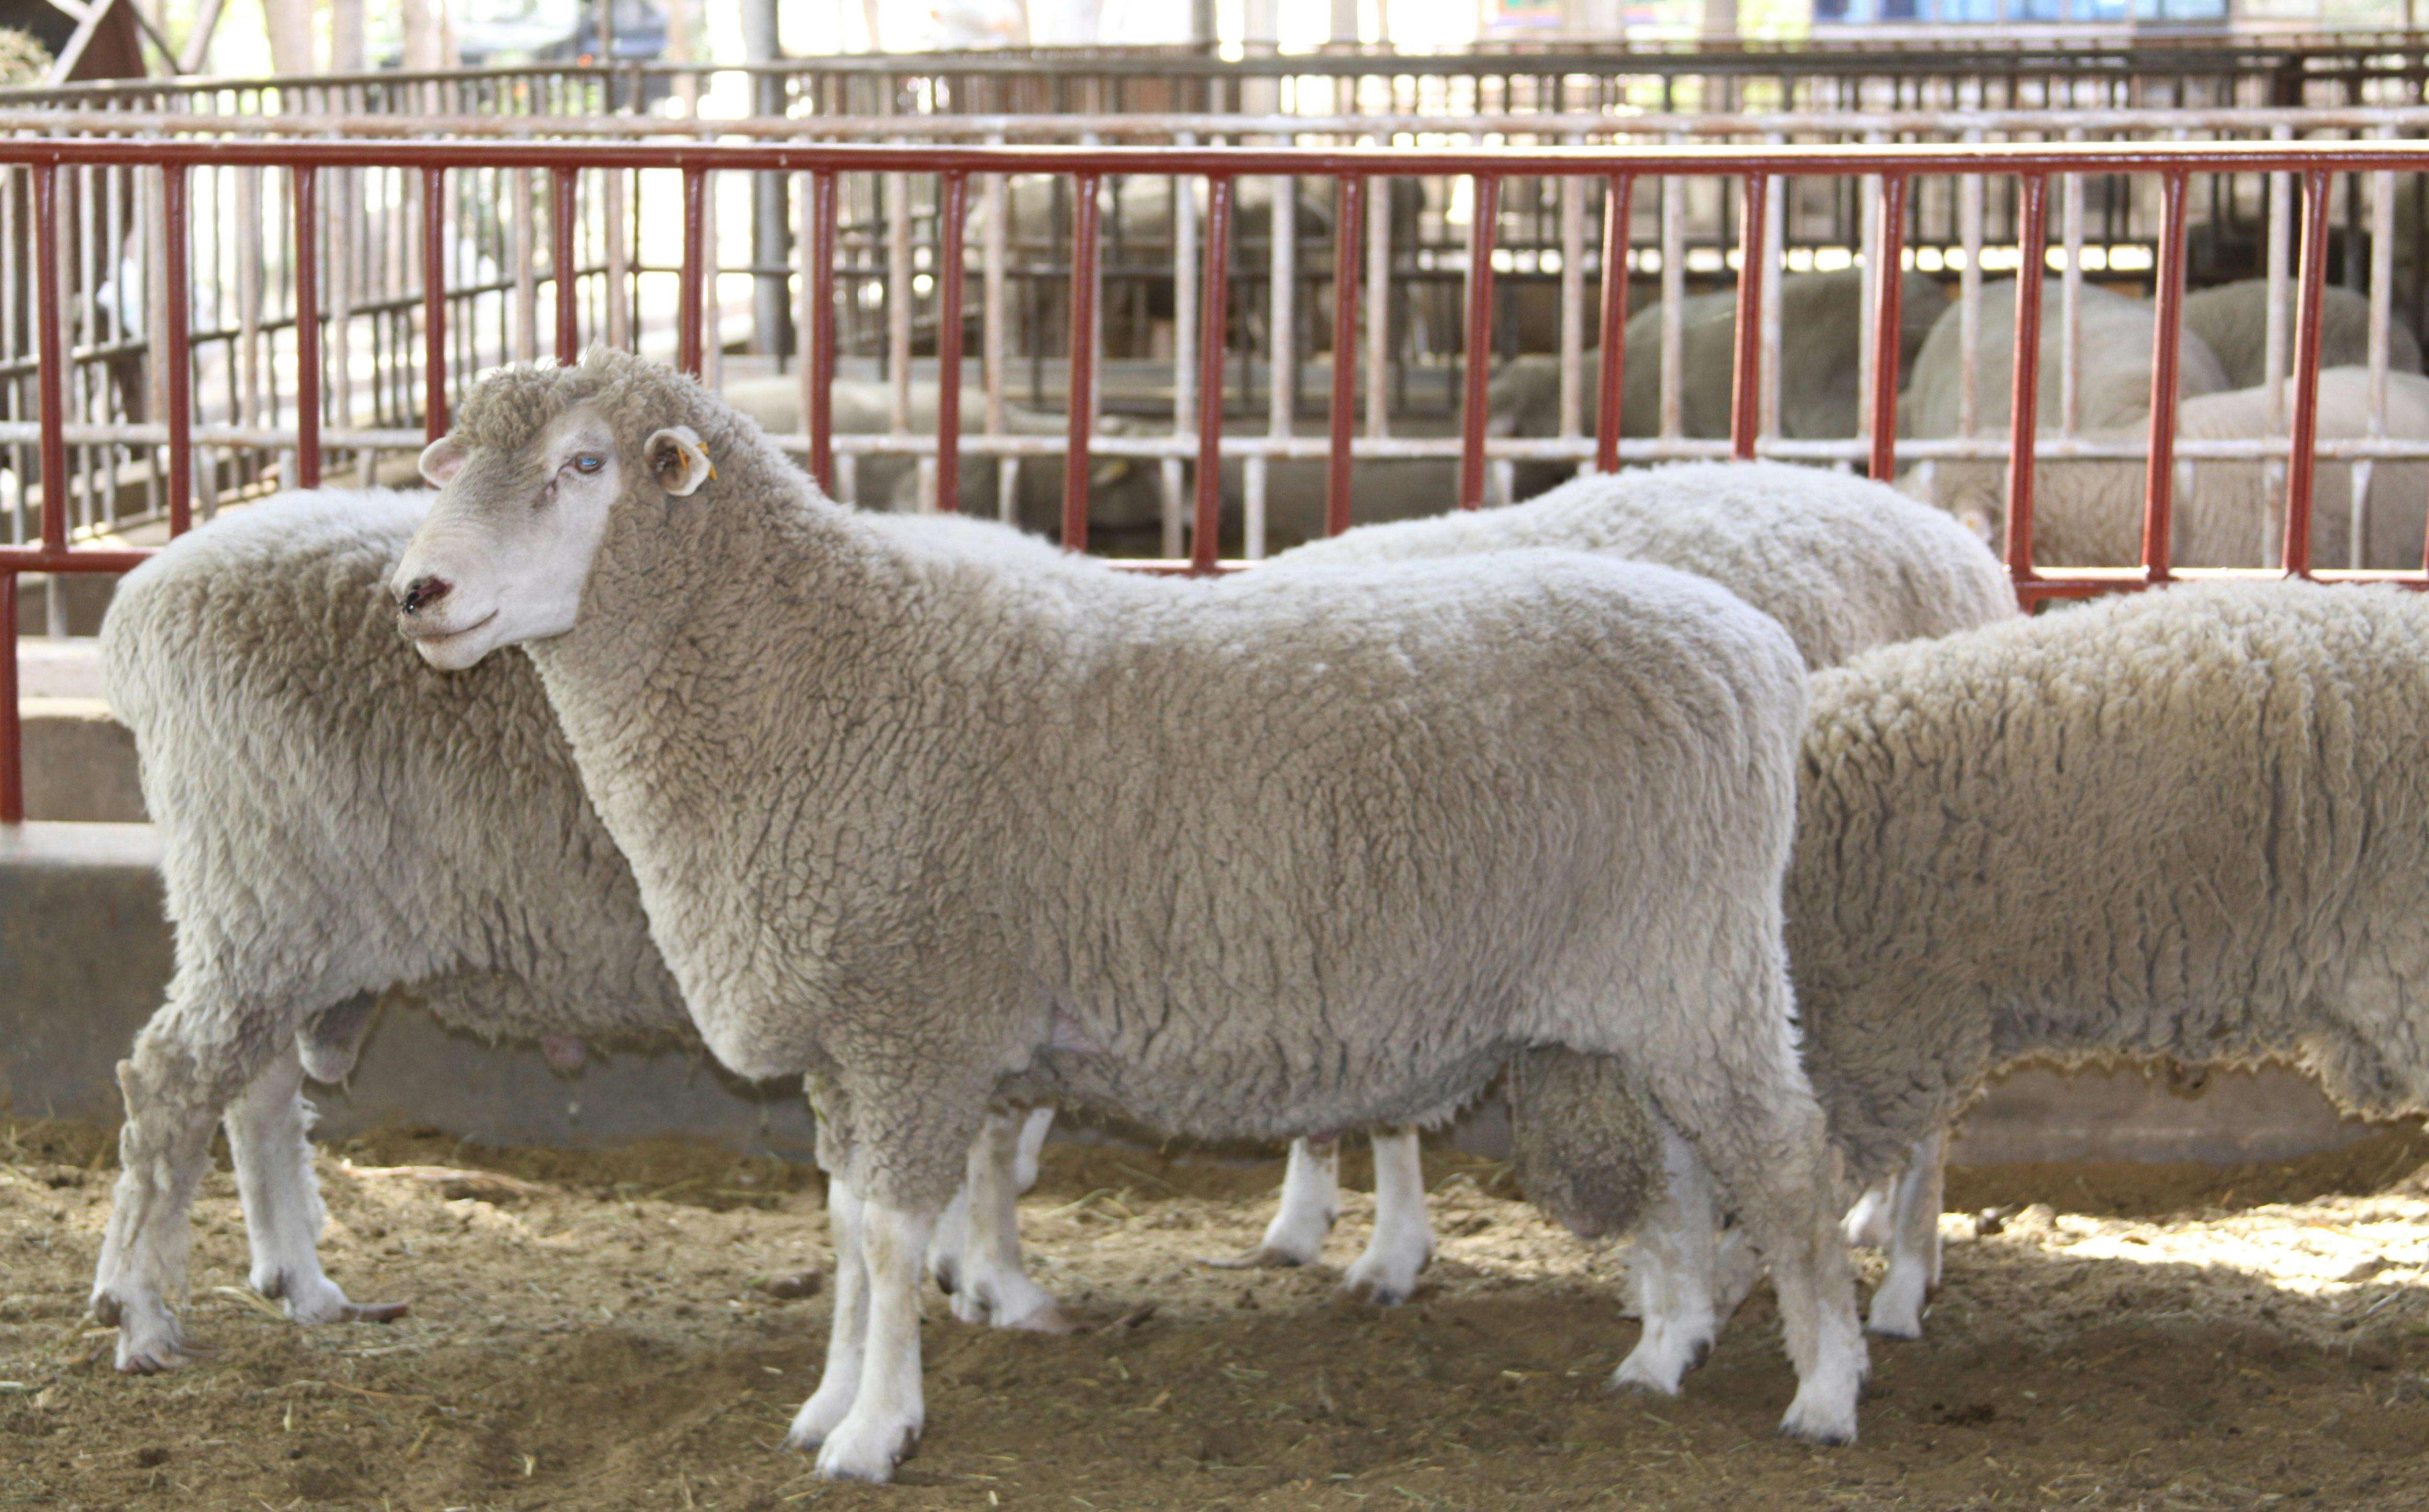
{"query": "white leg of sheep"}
{"type": "Point", "coordinates": [1403, 1242]}
{"type": "Point", "coordinates": [1032, 1148]}
{"type": "Point", "coordinates": [268, 1131]}
{"type": "Point", "coordinates": [888, 1408]}
{"type": "Point", "coordinates": [189, 1064]}
{"type": "Point", "coordinates": [1868, 1225]}
{"type": "Point", "coordinates": [1914, 1241]}
{"type": "Point", "coordinates": [847, 1331]}
{"type": "Point", "coordinates": [1747, 1113]}
{"type": "Point", "coordinates": [1671, 1271]}
{"type": "Point", "coordinates": [1310, 1202]}
{"type": "Point", "coordinates": [992, 1286]}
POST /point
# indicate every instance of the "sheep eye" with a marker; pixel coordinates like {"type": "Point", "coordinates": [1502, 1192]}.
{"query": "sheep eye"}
{"type": "Point", "coordinates": [588, 462]}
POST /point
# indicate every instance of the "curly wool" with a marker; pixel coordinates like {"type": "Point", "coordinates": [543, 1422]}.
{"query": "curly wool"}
{"type": "Point", "coordinates": [937, 736]}
{"type": "Point", "coordinates": [2189, 824]}
{"type": "Point", "coordinates": [336, 818]}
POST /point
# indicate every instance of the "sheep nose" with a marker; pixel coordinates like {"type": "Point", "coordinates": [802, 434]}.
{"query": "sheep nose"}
{"type": "Point", "coordinates": [424, 591]}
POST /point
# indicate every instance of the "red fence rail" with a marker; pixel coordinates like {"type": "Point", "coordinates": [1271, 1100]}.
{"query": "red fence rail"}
{"type": "Point", "coordinates": [1353, 171]}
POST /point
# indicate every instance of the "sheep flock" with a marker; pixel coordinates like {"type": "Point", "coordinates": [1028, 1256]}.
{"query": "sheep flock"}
{"type": "Point", "coordinates": [1728, 817]}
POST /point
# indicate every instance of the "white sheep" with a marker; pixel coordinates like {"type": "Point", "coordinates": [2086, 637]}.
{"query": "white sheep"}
{"type": "Point", "coordinates": [2226, 513]}
{"type": "Point", "coordinates": [1821, 338]}
{"type": "Point", "coordinates": [1845, 564]}
{"type": "Point", "coordinates": [2112, 364]}
{"type": "Point", "coordinates": [2232, 319]}
{"type": "Point", "coordinates": [925, 810]}
{"type": "Point", "coordinates": [336, 819]}
{"type": "Point", "coordinates": [2189, 824]}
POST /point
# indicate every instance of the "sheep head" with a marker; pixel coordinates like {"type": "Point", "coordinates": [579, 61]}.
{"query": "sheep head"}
{"type": "Point", "coordinates": [539, 458]}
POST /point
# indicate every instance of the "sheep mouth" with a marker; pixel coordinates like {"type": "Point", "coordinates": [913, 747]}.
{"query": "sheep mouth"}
{"type": "Point", "coordinates": [426, 639]}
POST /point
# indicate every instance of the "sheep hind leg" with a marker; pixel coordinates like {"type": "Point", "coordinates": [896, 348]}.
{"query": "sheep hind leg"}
{"type": "Point", "coordinates": [267, 1130]}
{"type": "Point", "coordinates": [1671, 1271]}
{"type": "Point", "coordinates": [1757, 1126]}
{"type": "Point", "coordinates": [1310, 1202]}
{"type": "Point", "coordinates": [188, 1064]}
{"type": "Point", "coordinates": [993, 1284]}
{"type": "Point", "coordinates": [1403, 1241]}
{"type": "Point", "coordinates": [888, 1410]}
{"type": "Point", "coordinates": [1914, 1241]}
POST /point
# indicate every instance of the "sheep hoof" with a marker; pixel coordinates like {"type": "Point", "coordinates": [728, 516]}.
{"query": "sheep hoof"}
{"type": "Point", "coordinates": [150, 1340]}
{"type": "Point", "coordinates": [866, 1450]}
{"type": "Point", "coordinates": [1048, 1319]}
{"type": "Point", "coordinates": [1823, 1430]}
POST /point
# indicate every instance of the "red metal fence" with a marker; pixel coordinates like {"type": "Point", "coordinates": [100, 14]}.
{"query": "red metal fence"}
{"type": "Point", "coordinates": [1353, 173]}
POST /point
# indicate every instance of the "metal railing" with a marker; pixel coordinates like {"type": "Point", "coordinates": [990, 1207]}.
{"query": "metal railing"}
{"type": "Point", "coordinates": [1199, 378]}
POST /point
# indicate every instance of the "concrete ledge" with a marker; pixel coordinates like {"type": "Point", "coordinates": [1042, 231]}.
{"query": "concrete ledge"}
{"type": "Point", "coordinates": [85, 958]}
{"type": "Point", "coordinates": [80, 764]}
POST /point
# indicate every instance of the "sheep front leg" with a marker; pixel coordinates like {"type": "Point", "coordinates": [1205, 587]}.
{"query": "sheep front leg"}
{"type": "Point", "coordinates": [1403, 1241]}
{"type": "Point", "coordinates": [888, 1410]}
{"type": "Point", "coordinates": [1310, 1202]}
{"type": "Point", "coordinates": [992, 1284]}
{"type": "Point", "coordinates": [1671, 1271]}
{"type": "Point", "coordinates": [267, 1134]}
{"type": "Point", "coordinates": [1914, 1241]}
{"type": "Point", "coordinates": [847, 1333]}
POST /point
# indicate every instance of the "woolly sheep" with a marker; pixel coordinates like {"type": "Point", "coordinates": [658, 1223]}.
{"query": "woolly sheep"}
{"type": "Point", "coordinates": [2113, 363]}
{"type": "Point", "coordinates": [337, 820]}
{"type": "Point", "coordinates": [2189, 824]}
{"type": "Point", "coordinates": [1845, 564]}
{"type": "Point", "coordinates": [926, 810]}
{"type": "Point", "coordinates": [2232, 319]}
{"type": "Point", "coordinates": [1821, 342]}
{"type": "Point", "coordinates": [2226, 513]}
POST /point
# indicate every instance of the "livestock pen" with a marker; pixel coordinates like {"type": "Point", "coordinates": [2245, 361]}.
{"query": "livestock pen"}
{"type": "Point", "coordinates": [1756, 172]}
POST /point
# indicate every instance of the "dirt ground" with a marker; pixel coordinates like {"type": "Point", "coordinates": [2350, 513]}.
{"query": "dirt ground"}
{"type": "Point", "coordinates": [614, 1331]}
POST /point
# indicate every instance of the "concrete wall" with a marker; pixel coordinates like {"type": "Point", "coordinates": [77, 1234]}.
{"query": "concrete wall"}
{"type": "Point", "coordinates": [85, 958]}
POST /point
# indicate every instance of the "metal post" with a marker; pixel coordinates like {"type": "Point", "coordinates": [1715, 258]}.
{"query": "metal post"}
{"type": "Point", "coordinates": [1477, 357]}
{"type": "Point", "coordinates": [2159, 475]}
{"type": "Point", "coordinates": [1349, 220]}
{"type": "Point", "coordinates": [308, 329]}
{"type": "Point", "coordinates": [1889, 289]}
{"type": "Point", "coordinates": [1081, 372]}
{"type": "Point", "coordinates": [1213, 311]}
{"type": "Point", "coordinates": [1745, 397]}
{"type": "Point", "coordinates": [956, 195]}
{"type": "Point", "coordinates": [2023, 399]}
{"type": "Point", "coordinates": [1610, 408]}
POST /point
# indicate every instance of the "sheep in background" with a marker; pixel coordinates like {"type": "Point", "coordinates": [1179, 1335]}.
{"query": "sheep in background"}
{"type": "Point", "coordinates": [2188, 824]}
{"type": "Point", "coordinates": [1821, 342]}
{"type": "Point", "coordinates": [2232, 319]}
{"type": "Point", "coordinates": [2113, 364]}
{"type": "Point", "coordinates": [1123, 493]}
{"type": "Point", "coordinates": [2228, 513]}
{"type": "Point", "coordinates": [1844, 564]}
{"type": "Point", "coordinates": [1257, 857]}
{"type": "Point", "coordinates": [337, 820]}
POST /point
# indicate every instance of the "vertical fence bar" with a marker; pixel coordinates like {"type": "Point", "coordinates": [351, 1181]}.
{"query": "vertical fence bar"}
{"type": "Point", "coordinates": [1745, 394]}
{"type": "Point", "coordinates": [2305, 428]}
{"type": "Point", "coordinates": [1379, 305]}
{"type": "Point", "coordinates": [2159, 474]}
{"type": "Point", "coordinates": [1081, 370]}
{"type": "Point", "coordinates": [1610, 396]}
{"type": "Point", "coordinates": [1213, 310]}
{"type": "Point", "coordinates": [12, 730]}
{"type": "Point", "coordinates": [1479, 352]}
{"type": "Point", "coordinates": [50, 385]}
{"type": "Point", "coordinates": [1349, 223]}
{"type": "Point", "coordinates": [956, 206]}
{"type": "Point", "coordinates": [560, 233]}
{"type": "Point", "coordinates": [2023, 404]}
{"type": "Point", "coordinates": [175, 353]}
{"type": "Point", "coordinates": [690, 311]}
{"type": "Point", "coordinates": [434, 301]}
{"type": "Point", "coordinates": [306, 194]}
{"type": "Point", "coordinates": [1889, 287]}
{"type": "Point", "coordinates": [817, 374]}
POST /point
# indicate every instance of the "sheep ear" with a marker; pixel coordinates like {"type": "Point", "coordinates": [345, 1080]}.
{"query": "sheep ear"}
{"type": "Point", "coordinates": [678, 460]}
{"type": "Point", "coordinates": [1978, 521]}
{"type": "Point", "coordinates": [440, 460]}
